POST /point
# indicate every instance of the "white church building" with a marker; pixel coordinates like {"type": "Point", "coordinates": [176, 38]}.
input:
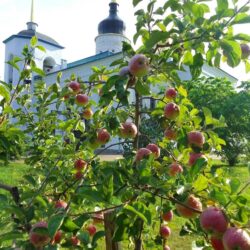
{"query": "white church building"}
{"type": "Point", "coordinates": [111, 34]}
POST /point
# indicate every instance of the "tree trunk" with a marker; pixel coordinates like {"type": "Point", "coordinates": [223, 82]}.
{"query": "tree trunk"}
{"type": "Point", "coordinates": [109, 226]}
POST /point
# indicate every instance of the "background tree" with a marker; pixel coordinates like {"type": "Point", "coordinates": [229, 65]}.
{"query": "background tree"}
{"type": "Point", "coordinates": [232, 103]}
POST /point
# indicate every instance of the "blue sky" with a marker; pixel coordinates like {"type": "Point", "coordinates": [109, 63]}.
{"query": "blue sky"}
{"type": "Point", "coordinates": [72, 23]}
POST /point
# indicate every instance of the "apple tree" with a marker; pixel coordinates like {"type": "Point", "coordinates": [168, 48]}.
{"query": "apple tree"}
{"type": "Point", "coordinates": [71, 199]}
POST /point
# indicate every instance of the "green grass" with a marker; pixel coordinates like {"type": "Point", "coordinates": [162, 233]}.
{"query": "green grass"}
{"type": "Point", "coordinates": [12, 174]}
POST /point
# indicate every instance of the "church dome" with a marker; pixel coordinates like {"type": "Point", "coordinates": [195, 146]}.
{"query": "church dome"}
{"type": "Point", "coordinates": [112, 24]}
{"type": "Point", "coordinates": [31, 31]}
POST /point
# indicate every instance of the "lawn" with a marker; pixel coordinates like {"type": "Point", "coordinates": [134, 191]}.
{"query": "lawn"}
{"type": "Point", "coordinates": [12, 174]}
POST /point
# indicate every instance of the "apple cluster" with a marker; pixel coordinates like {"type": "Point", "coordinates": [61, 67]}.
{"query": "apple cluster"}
{"type": "Point", "coordinates": [143, 153]}
{"type": "Point", "coordinates": [214, 221]}
{"type": "Point", "coordinates": [39, 236]}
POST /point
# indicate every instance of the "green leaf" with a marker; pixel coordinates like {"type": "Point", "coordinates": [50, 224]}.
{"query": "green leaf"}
{"type": "Point", "coordinates": [10, 236]}
{"type": "Point", "coordinates": [156, 36]}
{"type": "Point", "coordinates": [187, 58]}
{"type": "Point", "coordinates": [142, 88]}
{"type": "Point", "coordinates": [234, 184]}
{"type": "Point", "coordinates": [80, 126]}
{"type": "Point", "coordinates": [241, 18]}
{"type": "Point", "coordinates": [208, 116]}
{"type": "Point", "coordinates": [107, 188]}
{"type": "Point", "coordinates": [54, 224]}
{"type": "Point", "coordinates": [182, 91]}
{"type": "Point", "coordinates": [39, 71]}
{"type": "Point", "coordinates": [242, 37]}
{"type": "Point", "coordinates": [41, 48]}
{"type": "Point", "coordinates": [98, 236]}
{"type": "Point", "coordinates": [69, 226]}
{"type": "Point", "coordinates": [33, 41]}
{"type": "Point", "coordinates": [232, 51]}
{"type": "Point", "coordinates": [247, 66]}
{"type": "Point", "coordinates": [222, 5]}
{"type": "Point", "coordinates": [136, 2]}
{"type": "Point", "coordinates": [4, 92]}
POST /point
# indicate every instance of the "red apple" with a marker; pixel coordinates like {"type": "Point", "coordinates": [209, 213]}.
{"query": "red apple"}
{"type": "Point", "coordinates": [196, 138]}
{"type": "Point", "coordinates": [103, 136]}
{"type": "Point", "coordinates": [154, 149]}
{"type": "Point", "coordinates": [167, 216]}
{"type": "Point", "coordinates": [171, 93]}
{"type": "Point", "coordinates": [124, 71]}
{"type": "Point", "coordinates": [175, 169]}
{"type": "Point", "coordinates": [171, 111]}
{"type": "Point", "coordinates": [142, 153]}
{"type": "Point", "coordinates": [57, 237]}
{"type": "Point", "coordinates": [80, 164]}
{"type": "Point", "coordinates": [82, 99]}
{"type": "Point", "coordinates": [216, 242]}
{"type": "Point", "coordinates": [61, 204]}
{"type": "Point", "coordinates": [245, 51]}
{"type": "Point", "coordinates": [236, 238]}
{"type": "Point", "coordinates": [87, 114]}
{"type": "Point", "coordinates": [165, 231]}
{"type": "Point", "coordinates": [191, 202]}
{"type": "Point", "coordinates": [138, 65]}
{"type": "Point", "coordinates": [170, 134]}
{"type": "Point", "coordinates": [39, 239]}
{"type": "Point", "coordinates": [193, 157]}
{"type": "Point", "coordinates": [75, 86]}
{"type": "Point", "coordinates": [91, 229]}
{"type": "Point", "coordinates": [75, 241]}
{"type": "Point", "coordinates": [213, 220]}
{"type": "Point", "coordinates": [128, 130]}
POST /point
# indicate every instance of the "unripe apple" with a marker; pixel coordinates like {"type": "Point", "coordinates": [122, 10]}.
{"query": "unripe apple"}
{"type": "Point", "coordinates": [82, 99]}
{"type": "Point", "coordinates": [124, 71]}
{"type": "Point", "coordinates": [142, 153]}
{"type": "Point", "coordinates": [57, 237]}
{"type": "Point", "coordinates": [175, 169]}
{"type": "Point", "coordinates": [75, 241]}
{"type": "Point", "coordinates": [128, 130]}
{"type": "Point", "coordinates": [61, 204]}
{"type": "Point", "coordinates": [91, 229]}
{"type": "Point", "coordinates": [193, 157]}
{"type": "Point", "coordinates": [236, 238]}
{"type": "Point", "coordinates": [170, 134]}
{"type": "Point", "coordinates": [154, 149]}
{"type": "Point", "coordinates": [171, 93]}
{"type": "Point", "coordinates": [80, 164]}
{"type": "Point", "coordinates": [191, 202]}
{"type": "Point", "coordinates": [245, 51]}
{"type": "Point", "coordinates": [213, 220]}
{"type": "Point", "coordinates": [78, 175]}
{"type": "Point", "coordinates": [39, 239]}
{"type": "Point", "coordinates": [165, 231]}
{"type": "Point", "coordinates": [216, 242]}
{"type": "Point", "coordinates": [138, 65]}
{"type": "Point", "coordinates": [171, 111]}
{"type": "Point", "coordinates": [87, 114]}
{"type": "Point", "coordinates": [196, 138]}
{"type": "Point", "coordinates": [168, 216]}
{"type": "Point", "coordinates": [103, 136]}
{"type": "Point", "coordinates": [75, 86]}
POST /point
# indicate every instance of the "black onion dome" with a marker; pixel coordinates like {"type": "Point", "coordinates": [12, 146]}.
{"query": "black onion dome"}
{"type": "Point", "coordinates": [30, 33]}
{"type": "Point", "coordinates": [112, 24]}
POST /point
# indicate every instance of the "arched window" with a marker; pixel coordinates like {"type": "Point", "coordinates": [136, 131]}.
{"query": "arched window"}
{"type": "Point", "coordinates": [48, 64]}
